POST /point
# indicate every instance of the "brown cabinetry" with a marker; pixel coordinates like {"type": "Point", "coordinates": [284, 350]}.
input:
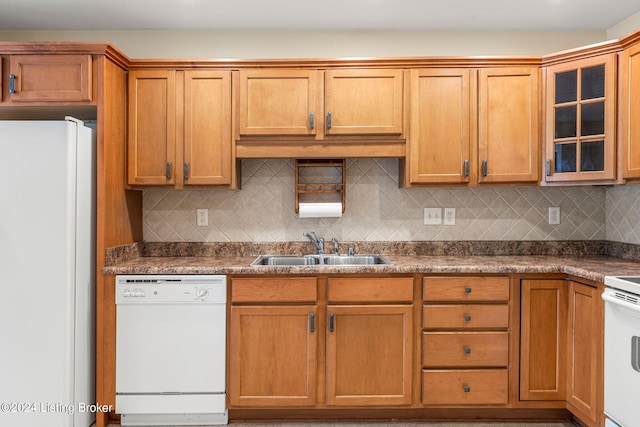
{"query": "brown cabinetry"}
{"type": "Point", "coordinates": [474, 126]}
{"type": "Point", "coordinates": [580, 120]}
{"type": "Point", "coordinates": [273, 341]}
{"type": "Point", "coordinates": [320, 104]}
{"type": "Point", "coordinates": [369, 342]}
{"type": "Point", "coordinates": [629, 112]}
{"type": "Point", "coordinates": [179, 128]}
{"type": "Point", "coordinates": [49, 79]}
{"type": "Point", "coordinates": [465, 340]}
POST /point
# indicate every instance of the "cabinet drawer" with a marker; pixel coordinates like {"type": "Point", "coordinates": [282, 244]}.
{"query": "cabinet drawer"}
{"type": "Point", "coordinates": [302, 289]}
{"type": "Point", "coordinates": [465, 349]}
{"type": "Point", "coordinates": [465, 316]}
{"type": "Point", "coordinates": [466, 289]}
{"type": "Point", "coordinates": [371, 290]}
{"type": "Point", "coordinates": [464, 387]}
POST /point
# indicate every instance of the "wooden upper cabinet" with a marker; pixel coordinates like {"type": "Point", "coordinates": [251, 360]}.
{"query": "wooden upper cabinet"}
{"type": "Point", "coordinates": [152, 127]}
{"type": "Point", "coordinates": [50, 78]}
{"type": "Point", "coordinates": [630, 111]}
{"type": "Point", "coordinates": [440, 141]}
{"type": "Point", "coordinates": [320, 104]}
{"type": "Point", "coordinates": [364, 102]}
{"type": "Point", "coordinates": [581, 120]}
{"type": "Point", "coordinates": [207, 127]}
{"type": "Point", "coordinates": [278, 102]}
{"type": "Point", "coordinates": [508, 125]}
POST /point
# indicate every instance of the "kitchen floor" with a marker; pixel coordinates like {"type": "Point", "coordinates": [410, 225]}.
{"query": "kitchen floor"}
{"type": "Point", "coordinates": [396, 424]}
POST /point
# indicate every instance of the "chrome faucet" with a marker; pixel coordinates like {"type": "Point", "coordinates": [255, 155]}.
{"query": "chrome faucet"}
{"type": "Point", "coordinates": [336, 246]}
{"type": "Point", "coordinates": [317, 243]}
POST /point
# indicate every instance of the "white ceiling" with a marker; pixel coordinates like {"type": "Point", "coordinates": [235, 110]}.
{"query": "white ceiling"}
{"type": "Point", "coordinates": [532, 15]}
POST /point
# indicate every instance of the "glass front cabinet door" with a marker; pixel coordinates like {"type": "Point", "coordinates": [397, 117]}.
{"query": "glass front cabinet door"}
{"type": "Point", "coordinates": [580, 120]}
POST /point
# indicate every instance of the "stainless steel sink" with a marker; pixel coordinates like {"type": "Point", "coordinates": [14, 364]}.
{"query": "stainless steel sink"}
{"type": "Point", "coordinates": [326, 259]}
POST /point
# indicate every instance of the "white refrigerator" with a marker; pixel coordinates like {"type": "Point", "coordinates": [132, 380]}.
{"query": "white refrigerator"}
{"type": "Point", "coordinates": [47, 274]}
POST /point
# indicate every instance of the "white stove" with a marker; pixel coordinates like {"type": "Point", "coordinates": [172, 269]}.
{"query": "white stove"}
{"type": "Point", "coordinates": [622, 350]}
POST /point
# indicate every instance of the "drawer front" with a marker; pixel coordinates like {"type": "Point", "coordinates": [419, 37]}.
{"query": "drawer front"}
{"type": "Point", "coordinates": [489, 316]}
{"type": "Point", "coordinates": [371, 289]}
{"type": "Point", "coordinates": [270, 290]}
{"type": "Point", "coordinates": [466, 289]}
{"type": "Point", "coordinates": [465, 387]}
{"type": "Point", "coordinates": [465, 349]}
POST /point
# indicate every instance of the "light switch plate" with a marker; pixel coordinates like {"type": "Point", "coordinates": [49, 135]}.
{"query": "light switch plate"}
{"type": "Point", "coordinates": [432, 216]}
{"type": "Point", "coordinates": [554, 215]}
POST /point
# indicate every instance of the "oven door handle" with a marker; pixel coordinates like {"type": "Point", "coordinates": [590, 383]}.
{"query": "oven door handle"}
{"type": "Point", "coordinates": [616, 301]}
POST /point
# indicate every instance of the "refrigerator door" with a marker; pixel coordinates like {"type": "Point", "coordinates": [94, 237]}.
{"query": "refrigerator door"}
{"type": "Point", "coordinates": [40, 303]}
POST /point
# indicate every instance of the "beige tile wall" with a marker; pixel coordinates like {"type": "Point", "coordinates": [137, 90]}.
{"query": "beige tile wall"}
{"type": "Point", "coordinates": [376, 209]}
{"type": "Point", "coordinates": [623, 214]}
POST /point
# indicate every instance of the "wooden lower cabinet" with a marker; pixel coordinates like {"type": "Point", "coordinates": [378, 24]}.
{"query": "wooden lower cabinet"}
{"type": "Point", "coordinates": [369, 355]}
{"type": "Point", "coordinates": [465, 387]}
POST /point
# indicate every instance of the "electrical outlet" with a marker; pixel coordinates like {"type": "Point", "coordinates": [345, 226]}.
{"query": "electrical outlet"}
{"type": "Point", "coordinates": [432, 216]}
{"type": "Point", "coordinates": [202, 217]}
{"type": "Point", "coordinates": [554, 215]}
{"type": "Point", "coordinates": [449, 216]}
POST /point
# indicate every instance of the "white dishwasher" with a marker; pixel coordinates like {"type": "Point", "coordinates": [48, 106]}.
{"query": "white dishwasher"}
{"type": "Point", "coordinates": [170, 350]}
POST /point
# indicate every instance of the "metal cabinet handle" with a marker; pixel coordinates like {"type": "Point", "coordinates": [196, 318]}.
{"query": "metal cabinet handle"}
{"type": "Point", "coordinates": [467, 350]}
{"type": "Point", "coordinates": [332, 322]}
{"type": "Point", "coordinates": [466, 389]}
{"type": "Point", "coordinates": [548, 167]}
{"type": "Point", "coordinates": [467, 317]}
{"type": "Point", "coordinates": [312, 322]}
{"type": "Point", "coordinates": [12, 83]}
{"type": "Point", "coordinates": [467, 290]}
{"type": "Point", "coordinates": [484, 168]}
{"type": "Point", "coordinates": [186, 170]}
{"type": "Point", "coordinates": [329, 120]}
{"type": "Point", "coordinates": [312, 121]}
{"type": "Point", "coordinates": [466, 168]}
{"type": "Point", "coordinates": [168, 173]}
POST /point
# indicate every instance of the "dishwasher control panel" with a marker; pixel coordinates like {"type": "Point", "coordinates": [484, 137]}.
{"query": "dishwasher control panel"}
{"type": "Point", "coordinates": [171, 289]}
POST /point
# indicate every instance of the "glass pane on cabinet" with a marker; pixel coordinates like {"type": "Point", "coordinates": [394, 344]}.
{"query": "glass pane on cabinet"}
{"type": "Point", "coordinates": [565, 157]}
{"type": "Point", "coordinates": [592, 120]}
{"type": "Point", "coordinates": [566, 122]}
{"type": "Point", "coordinates": [592, 156]}
{"type": "Point", "coordinates": [567, 87]}
{"type": "Point", "coordinates": [593, 82]}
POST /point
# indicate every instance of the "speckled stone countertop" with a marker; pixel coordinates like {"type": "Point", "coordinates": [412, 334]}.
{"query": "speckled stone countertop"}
{"type": "Point", "coordinates": [585, 260]}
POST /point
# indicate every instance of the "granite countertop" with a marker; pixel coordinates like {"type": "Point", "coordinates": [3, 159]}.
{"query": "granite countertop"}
{"type": "Point", "coordinates": [578, 263]}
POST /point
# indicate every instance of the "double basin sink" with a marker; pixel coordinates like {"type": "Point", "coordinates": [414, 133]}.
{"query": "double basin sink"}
{"type": "Point", "coordinates": [321, 259]}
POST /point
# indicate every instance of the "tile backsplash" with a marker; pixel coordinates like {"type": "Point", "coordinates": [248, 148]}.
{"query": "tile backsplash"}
{"type": "Point", "coordinates": [623, 214]}
{"type": "Point", "coordinates": [377, 210]}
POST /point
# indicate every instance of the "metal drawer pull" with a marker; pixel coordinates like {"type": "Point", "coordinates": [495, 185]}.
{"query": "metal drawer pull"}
{"type": "Point", "coordinates": [331, 322]}
{"type": "Point", "coordinates": [186, 170]}
{"type": "Point", "coordinates": [467, 350]}
{"type": "Point", "coordinates": [548, 168]}
{"type": "Point", "coordinates": [168, 174]}
{"type": "Point", "coordinates": [312, 122]}
{"type": "Point", "coordinates": [467, 317]}
{"type": "Point", "coordinates": [329, 120]}
{"type": "Point", "coordinates": [312, 322]}
{"type": "Point", "coordinates": [12, 83]}
{"type": "Point", "coordinates": [467, 290]}
{"type": "Point", "coordinates": [484, 168]}
{"type": "Point", "coordinates": [466, 168]}
{"type": "Point", "coordinates": [467, 389]}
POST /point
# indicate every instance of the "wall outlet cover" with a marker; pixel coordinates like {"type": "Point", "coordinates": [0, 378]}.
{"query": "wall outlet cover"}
{"type": "Point", "coordinates": [449, 216]}
{"type": "Point", "coordinates": [202, 217]}
{"type": "Point", "coordinates": [554, 215]}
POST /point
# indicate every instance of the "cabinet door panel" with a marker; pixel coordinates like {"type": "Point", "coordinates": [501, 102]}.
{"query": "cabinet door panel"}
{"type": "Point", "coordinates": [439, 143]}
{"type": "Point", "coordinates": [207, 127]}
{"type": "Point", "coordinates": [62, 78]}
{"type": "Point", "coordinates": [584, 332]}
{"type": "Point", "coordinates": [152, 127]}
{"type": "Point", "coordinates": [278, 102]}
{"type": "Point", "coordinates": [364, 102]}
{"type": "Point", "coordinates": [369, 355]}
{"type": "Point", "coordinates": [543, 340]}
{"type": "Point", "coordinates": [508, 125]}
{"type": "Point", "coordinates": [630, 111]}
{"type": "Point", "coordinates": [272, 356]}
